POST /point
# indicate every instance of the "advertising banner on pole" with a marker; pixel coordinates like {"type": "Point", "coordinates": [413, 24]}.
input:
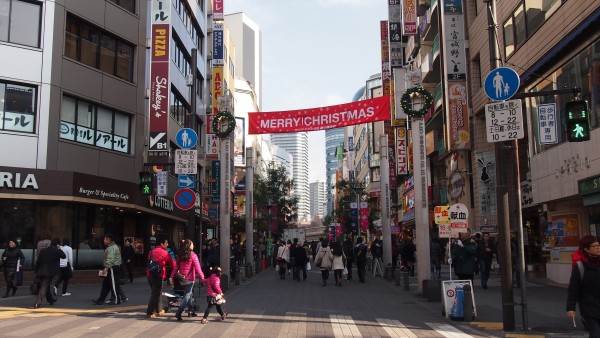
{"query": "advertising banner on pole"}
{"type": "Point", "coordinates": [159, 75]}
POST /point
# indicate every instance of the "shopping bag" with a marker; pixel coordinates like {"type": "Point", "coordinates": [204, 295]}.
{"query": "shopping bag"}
{"type": "Point", "coordinates": [308, 266]}
{"type": "Point", "coordinates": [18, 279]}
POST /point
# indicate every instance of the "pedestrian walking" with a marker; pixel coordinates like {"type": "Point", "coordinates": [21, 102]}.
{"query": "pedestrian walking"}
{"type": "Point", "coordinates": [339, 262]}
{"type": "Point", "coordinates": [128, 257]}
{"type": "Point", "coordinates": [214, 253]}
{"type": "Point", "coordinates": [113, 272]}
{"type": "Point", "coordinates": [584, 286]}
{"type": "Point", "coordinates": [323, 260]}
{"type": "Point", "coordinates": [463, 256]}
{"type": "Point", "coordinates": [486, 249]}
{"type": "Point", "coordinates": [66, 267]}
{"type": "Point", "coordinates": [407, 255]}
{"type": "Point", "coordinates": [188, 266]}
{"type": "Point", "coordinates": [159, 255]}
{"type": "Point", "coordinates": [213, 291]}
{"type": "Point", "coordinates": [436, 254]}
{"type": "Point", "coordinates": [360, 256]}
{"type": "Point", "coordinates": [299, 261]}
{"type": "Point", "coordinates": [283, 257]}
{"type": "Point", "coordinates": [347, 246]}
{"type": "Point", "coordinates": [47, 268]}
{"type": "Point", "coordinates": [12, 258]}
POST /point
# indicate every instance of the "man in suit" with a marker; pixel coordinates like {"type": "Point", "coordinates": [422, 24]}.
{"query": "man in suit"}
{"type": "Point", "coordinates": [47, 269]}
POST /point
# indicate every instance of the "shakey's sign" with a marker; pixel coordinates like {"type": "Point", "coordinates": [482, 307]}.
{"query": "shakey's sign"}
{"type": "Point", "coordinates": [341, 115]}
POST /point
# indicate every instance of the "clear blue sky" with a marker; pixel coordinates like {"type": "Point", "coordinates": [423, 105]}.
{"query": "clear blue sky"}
{"type": "Point", "coordinates": [315, 53]}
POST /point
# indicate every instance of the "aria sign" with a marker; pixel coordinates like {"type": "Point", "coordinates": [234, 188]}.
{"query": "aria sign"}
{"type": "Point", "coordinates": [17, 181]}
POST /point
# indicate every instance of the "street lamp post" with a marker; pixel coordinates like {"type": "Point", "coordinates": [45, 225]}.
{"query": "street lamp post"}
{"type": "Point", "coordinates": [224, 104]}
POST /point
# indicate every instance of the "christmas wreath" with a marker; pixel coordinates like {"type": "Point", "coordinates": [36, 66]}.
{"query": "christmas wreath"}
{"type": "Point", "coordinates": [407, 99]}
{"type": "Point", "coordinates": [218, 120]}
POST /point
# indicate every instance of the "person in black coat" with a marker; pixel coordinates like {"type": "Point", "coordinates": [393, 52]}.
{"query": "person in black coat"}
{"type": "Point", "coordinates": [10, 257]}
{"type": "Point", "coordinates": [128, 256]}
{"type": "Point", "coordinates": [47, 269]}
{"type": "Point", "coordinates": [584, 286]}
{"type": "Point", "coordinates": [300, 260]}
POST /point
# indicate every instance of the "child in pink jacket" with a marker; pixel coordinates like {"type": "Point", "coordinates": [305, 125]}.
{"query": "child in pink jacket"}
{"type": "Point", "coordinates": [212, 291]}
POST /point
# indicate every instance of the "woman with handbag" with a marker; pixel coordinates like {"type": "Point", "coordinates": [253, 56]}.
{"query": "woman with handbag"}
{"type": "Point", "coordinates": [324, 260]}
{"type": "Point", "coordinates": [214, 294]}
{"type": "Point", "coordinates": [187, 266]}
{"type": "Point", "coordinates": [338, 263]}
{"type": "Point", "coordinates": [11, 258]}
{"type": "Point", "coordinates": [283, 257]}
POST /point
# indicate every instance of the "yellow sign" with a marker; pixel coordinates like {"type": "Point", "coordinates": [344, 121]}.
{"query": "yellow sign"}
{"type": "Point", "coordinates": [441, 214]}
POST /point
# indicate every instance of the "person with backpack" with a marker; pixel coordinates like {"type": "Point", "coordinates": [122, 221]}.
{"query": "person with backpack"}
{"type": "Point", "coordinates": [584, 286]}
{"type": "Point", "coordinates": [158, 259]}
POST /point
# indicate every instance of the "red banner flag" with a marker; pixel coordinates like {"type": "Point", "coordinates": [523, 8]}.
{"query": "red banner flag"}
{"type": "Point", "coordinates": [341, 115]}
{"type": "Point", "coordinates": [364, 216]}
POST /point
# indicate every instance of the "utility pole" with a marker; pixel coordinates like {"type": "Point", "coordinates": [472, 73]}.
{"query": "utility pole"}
{"type": "Point", "coordinates": [225, 102]}
{"type": "Point", "coordinates": [503, 213]}
{"type": "Point", "coordinates": [249, 205]}
{"type": "Point", "coordinates": [191, 226]}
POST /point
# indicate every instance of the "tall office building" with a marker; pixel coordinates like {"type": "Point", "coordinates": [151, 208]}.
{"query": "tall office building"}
{"type": "Point", "coordinates": [333, 139]}
{"type": "Point", "coordinates": [297, 145]}
{"type": "Point", "coordinates": [318, 199]}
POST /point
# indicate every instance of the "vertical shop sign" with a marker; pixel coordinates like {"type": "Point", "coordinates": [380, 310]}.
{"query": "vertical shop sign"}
{"type": "Point", "coordinates": [401, 152]}
{"type": "Point", "coordinates": [218, 10]}
{"type": "Point", "coordinates": [409, 11]}
{"type": "Point", "coordinates": [216, 186]}
{"type": "Point", "coordinates": [455, 60]}
{"type": "Point", "coordinates": [159, 79]}
{"type": "Point", "coordinates": [218, 58]}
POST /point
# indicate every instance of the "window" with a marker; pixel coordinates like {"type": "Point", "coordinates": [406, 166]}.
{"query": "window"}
{"type": "Point", "coordinates": [20, 22]}
{"type": "Point", "coordinates": [95, 48]}
{"type": "Point", "coordinates": [525, 20]}
{"type": "Point", "coordinates": [84, 122]}
{"type": "Point", "coordinates": [17, 107]}
{"type": "Point", "coordinates": [126, 4]}
{"type": "Point", "coordinates": [179, 108]}
{"type": "Point", "coordinates": [576, 73]}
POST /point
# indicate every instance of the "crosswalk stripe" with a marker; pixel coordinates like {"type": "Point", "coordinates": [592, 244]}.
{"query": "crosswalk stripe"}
{"type": "Point", "coordinates": [448, 330]}
{"type": "Point", "coordinates": [28, 330]}
{"type": "Point", "coordinates": [294, 323]}
{"type": "Point", "coordinates": [395, 328]}
{"type": "Point", "coordinates": [243, 324]}
{"type": "Point", "coordinates": [344, 326]}
{"type": "Point", "coordinates": [83, 329]}
{"type": "Point", "coordinates": [133, 328]}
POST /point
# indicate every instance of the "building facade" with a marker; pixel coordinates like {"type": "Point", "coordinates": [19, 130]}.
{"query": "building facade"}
{"type": "Point", "coordinates": [75, 112]}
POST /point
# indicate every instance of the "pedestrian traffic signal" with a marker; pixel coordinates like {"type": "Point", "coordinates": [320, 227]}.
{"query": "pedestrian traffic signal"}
{"type": "Point", "coordinates": [578, 122]}
{"type": "Point", "coordinates": [146, 183]}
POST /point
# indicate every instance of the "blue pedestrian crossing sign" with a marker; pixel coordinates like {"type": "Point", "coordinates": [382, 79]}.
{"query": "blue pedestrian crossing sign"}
{"type": "Point", "coordinates": [186, 138]}
{"type": "Point", "coordinates": [185, 181]}
{"type": "Point", "coordinates": [501, 83]}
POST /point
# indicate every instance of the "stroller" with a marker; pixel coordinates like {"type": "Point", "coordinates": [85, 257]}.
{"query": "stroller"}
{"type": "Point", "coordinates": [175, 297]}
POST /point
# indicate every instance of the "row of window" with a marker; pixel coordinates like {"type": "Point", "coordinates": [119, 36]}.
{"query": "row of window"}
{"type": "Point", "coordinates": [17, 107]}
{"type": "Point", "coordinates": [129, 5]}
{"type": "Point", "coordinates": [525, 21]}
{"type": "Point", "coordinates": [20, 22]}
{"type": "Point", "coordinates": [98, 49]}
{"type": "Point", "coordinates": [188, 22]}
{"type": "Point", "coordinates": [179, 108]}
{"type": "Point", "coordinates": [85, 122]}
{"type": "Point", "coordinates": [181, 59]}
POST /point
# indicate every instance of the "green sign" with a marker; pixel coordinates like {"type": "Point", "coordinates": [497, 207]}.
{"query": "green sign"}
{"type": "Point", "coordinates": [589, 185]}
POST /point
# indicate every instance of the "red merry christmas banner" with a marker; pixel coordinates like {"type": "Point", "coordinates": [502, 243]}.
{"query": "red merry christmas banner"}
{"type": "Point", "coordinates": [341, 115]}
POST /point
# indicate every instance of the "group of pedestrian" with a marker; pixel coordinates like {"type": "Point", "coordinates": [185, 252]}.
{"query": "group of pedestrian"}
{"type": "Point", "coordinates": [185, 268]}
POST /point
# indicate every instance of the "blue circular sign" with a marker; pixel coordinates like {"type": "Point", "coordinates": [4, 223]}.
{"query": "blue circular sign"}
{"type": "Point", "coordinates": [186, 138]}
{"type": "Point", "coordinates": [502, 83]}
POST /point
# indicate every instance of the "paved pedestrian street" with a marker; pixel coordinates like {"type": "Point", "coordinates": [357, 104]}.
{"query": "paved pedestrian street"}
{"type": "Point", "coordinates": [262, 306]}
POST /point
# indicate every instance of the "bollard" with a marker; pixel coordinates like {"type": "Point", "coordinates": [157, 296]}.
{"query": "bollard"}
{"type": "Point", "coordinates": [468, 303]}
{"type": "Point", "coordinates": [242, 273]}
{"type": "Point", "coordinates": [237, 275]}
{"type": "Point", "coordinates": [257, 266]}
{"type": "Point", "coordinates": [406, 282]}
{"type": "Point", "coordinates": [397, 276]}
{"type": "Point", "coordinates": [389, 272]}
{"type": "Point", "coordinates": [224, 282]}
{"type": "Point", "coordinates": [249, 270]}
